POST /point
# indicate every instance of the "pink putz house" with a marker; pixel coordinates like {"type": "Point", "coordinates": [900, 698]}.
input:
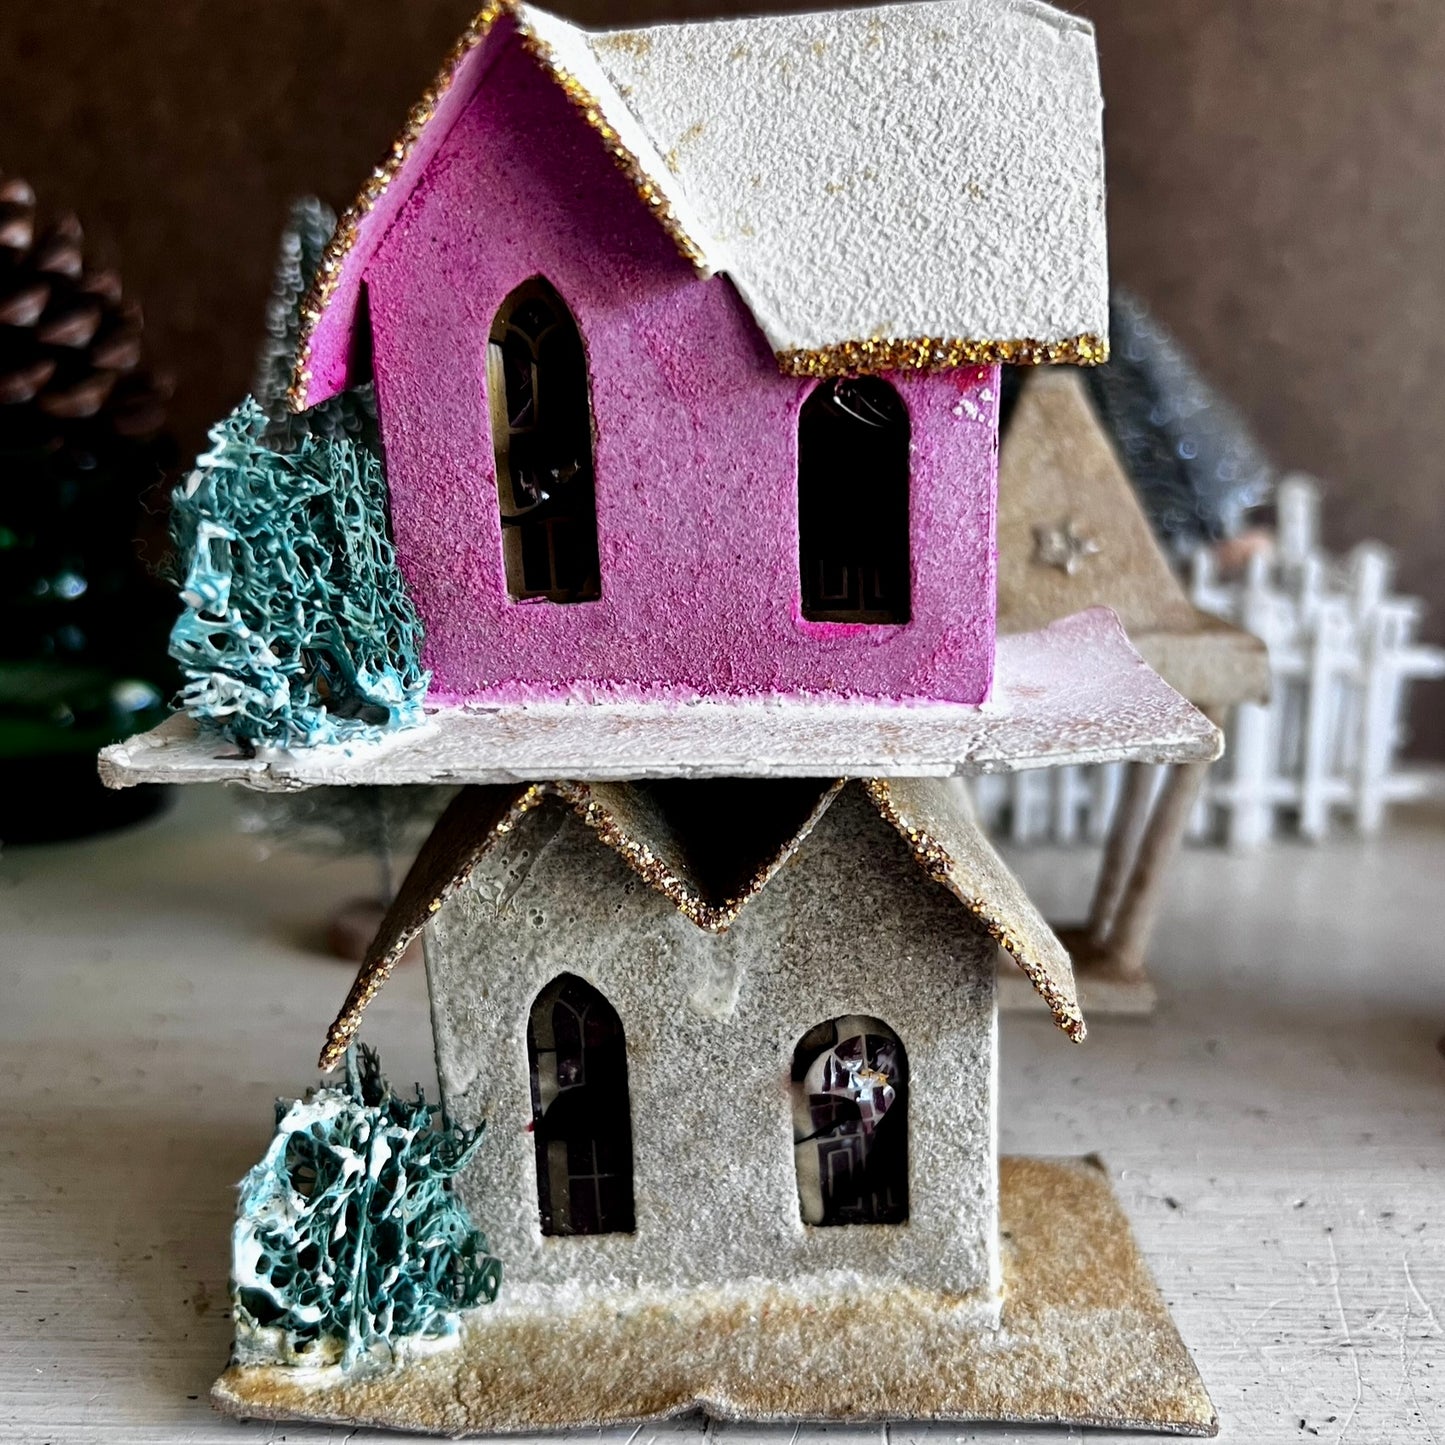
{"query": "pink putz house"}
{"type": "Point", "coordinates": [685, 342]}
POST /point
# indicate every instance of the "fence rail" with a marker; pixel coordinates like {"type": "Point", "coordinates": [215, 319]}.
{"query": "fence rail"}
{"type": "Point", "coordinates": [1324, 751]}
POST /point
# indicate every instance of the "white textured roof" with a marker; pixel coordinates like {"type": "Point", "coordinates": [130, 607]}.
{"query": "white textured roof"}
{"type": "Point", "coordinates": [899, 187]}
{"type": "Point", "coordinates": [899, 172]}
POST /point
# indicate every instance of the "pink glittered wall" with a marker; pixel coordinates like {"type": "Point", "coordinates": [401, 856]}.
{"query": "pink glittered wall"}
{"type": "Point", "coordinates": [1275, 194]}
{"type": "Point", "coordinates": [695, 443]}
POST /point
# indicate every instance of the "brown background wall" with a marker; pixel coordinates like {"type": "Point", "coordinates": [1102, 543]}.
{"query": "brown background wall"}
{"type": "Point", "coordinates": [1277, 184]}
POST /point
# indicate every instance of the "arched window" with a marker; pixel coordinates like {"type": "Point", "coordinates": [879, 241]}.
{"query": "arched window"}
{"type": "Point", "coordinates": [853, 442]}
{"type": "Point", "coordinates": [542, 432]}
{"type": "Point", "coordinates": [581, 1115]}
{"type": "Point", "coordinates": [850, 1123]}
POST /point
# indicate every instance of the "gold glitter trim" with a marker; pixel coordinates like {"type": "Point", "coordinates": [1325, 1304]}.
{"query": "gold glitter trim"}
{"type": "Point", "coordinates": [931, 856]}
{"type": "Point", "coordinates": [935, 353]}
{"type": "Point", "coordinates": [842, 358]}
{"type": "Point", "coordinates": [590, 109]}
{"type": "Point", "coordinates": [333, 259]}
{"type": "Point", "coordinates": [710, 917]}
{"type": "Point", "coordinates": [938, 863]}
{"type": "Point", "coordinates": [343, 241]}
{"type": "Point", "coordinates": [377, 967]}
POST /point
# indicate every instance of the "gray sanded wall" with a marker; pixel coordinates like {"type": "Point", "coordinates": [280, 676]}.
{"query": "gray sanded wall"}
{"type": "Point", "coordinates": [850, 926]}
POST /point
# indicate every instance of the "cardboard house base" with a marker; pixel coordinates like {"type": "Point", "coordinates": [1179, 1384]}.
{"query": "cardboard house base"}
{"type": "Point", "coordinates": [1084, 1339]}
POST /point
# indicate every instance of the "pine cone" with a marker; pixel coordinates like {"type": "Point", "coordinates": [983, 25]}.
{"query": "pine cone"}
{"type": "Point", "coordinates": [70, 344]}
{"type": "Point", "coordinates": [82, 441]}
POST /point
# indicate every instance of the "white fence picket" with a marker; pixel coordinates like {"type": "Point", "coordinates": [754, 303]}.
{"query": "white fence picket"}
{"type": "Point", "coordinates": [1343, 653]}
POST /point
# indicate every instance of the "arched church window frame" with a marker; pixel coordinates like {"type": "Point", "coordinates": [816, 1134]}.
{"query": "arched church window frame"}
{"type": "Point", "coordinates": [850, 1123]}
{"type": "Point", "coordinates": [854, 464]}
{"type": "Point", "coordinates": [581, 1110]}
{"type": "Point", "coordinates": [542, 437]}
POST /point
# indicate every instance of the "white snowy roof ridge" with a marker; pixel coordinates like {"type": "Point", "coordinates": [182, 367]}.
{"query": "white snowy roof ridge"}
{"type": "Point", "coordinates": [956, 217]}
{"type": "Point", "coordinates": [901, 187]}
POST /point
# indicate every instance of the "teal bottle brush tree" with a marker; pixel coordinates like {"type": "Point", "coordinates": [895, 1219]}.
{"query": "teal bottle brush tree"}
{"type": "Point", "coordinates": [348, 1240]}
{"type": "Point", "coordinates": [298, 629]}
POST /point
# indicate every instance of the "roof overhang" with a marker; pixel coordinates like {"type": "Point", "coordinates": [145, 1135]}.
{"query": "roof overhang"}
{"type": "Point", "coordinates": [685, 842]}
{"type": "Point", "coordinates": [914, 186]}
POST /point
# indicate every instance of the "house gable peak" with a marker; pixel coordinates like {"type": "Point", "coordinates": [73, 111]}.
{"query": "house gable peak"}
{"type": "Point", "coordinates": [709, 849]}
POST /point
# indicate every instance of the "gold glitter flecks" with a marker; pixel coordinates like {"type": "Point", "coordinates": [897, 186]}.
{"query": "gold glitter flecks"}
{"type": "Point", "coordinates": [711, 917]}
{"type": "Point", "coordinates": [933, 353]}
{"type": "Point", "coordinates": [938, 863]}
{"type": "Point", "coordinates": [392, 940]}
{"type": "Point", "coordinates": [590, 109]}
{"type": "Point", "coordinates": [626, 42]}
{"type": "Point", "coordinates": [673, 159]}
{"type": "Point", "coordinates": [343, 240]}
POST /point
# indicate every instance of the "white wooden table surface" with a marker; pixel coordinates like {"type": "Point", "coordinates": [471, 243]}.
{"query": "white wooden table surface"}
{"type": "Point", "coordinates": [1277, 1132]}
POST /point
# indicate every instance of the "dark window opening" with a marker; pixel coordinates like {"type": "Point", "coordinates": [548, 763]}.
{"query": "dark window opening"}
{"type": "Point", "coordinates": [719, 834]}
{"type": "Point", "coordinates": [853, 465]}
{"type": "Point", "coordinates": [542, 432]}
{"type": "Point", "coordinates": [361, 365]}
{"type": "Point", "coordinates": [581, 1113]}
{"type": "Point", "coordinates": [850, 1123]}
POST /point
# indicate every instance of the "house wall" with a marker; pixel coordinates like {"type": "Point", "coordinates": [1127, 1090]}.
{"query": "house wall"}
{"type": "Point", "coordinates": [696, 446]}
{"type": "Point", "coordinates": [849, 926]}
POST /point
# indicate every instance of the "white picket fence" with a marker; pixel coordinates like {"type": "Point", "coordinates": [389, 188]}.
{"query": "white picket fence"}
{"type": "Point", "coordinates": [1343, 653]}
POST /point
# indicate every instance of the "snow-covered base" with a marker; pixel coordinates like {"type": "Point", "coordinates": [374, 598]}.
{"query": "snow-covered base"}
{"type": "Point", "coordinates": [1084, 1339]}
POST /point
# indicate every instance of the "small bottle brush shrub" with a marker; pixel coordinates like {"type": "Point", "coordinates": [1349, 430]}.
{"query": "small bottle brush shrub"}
{"type": "Point", "coordinates": [348, 1238]}
{"type": "Point", "coordinates": [298, 628]}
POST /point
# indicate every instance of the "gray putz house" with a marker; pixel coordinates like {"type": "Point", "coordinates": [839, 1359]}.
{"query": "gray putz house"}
{"type": "Point", "coordinates": [734, 1041]}
{"type": "Point", "coordinates": [729, 1031]}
